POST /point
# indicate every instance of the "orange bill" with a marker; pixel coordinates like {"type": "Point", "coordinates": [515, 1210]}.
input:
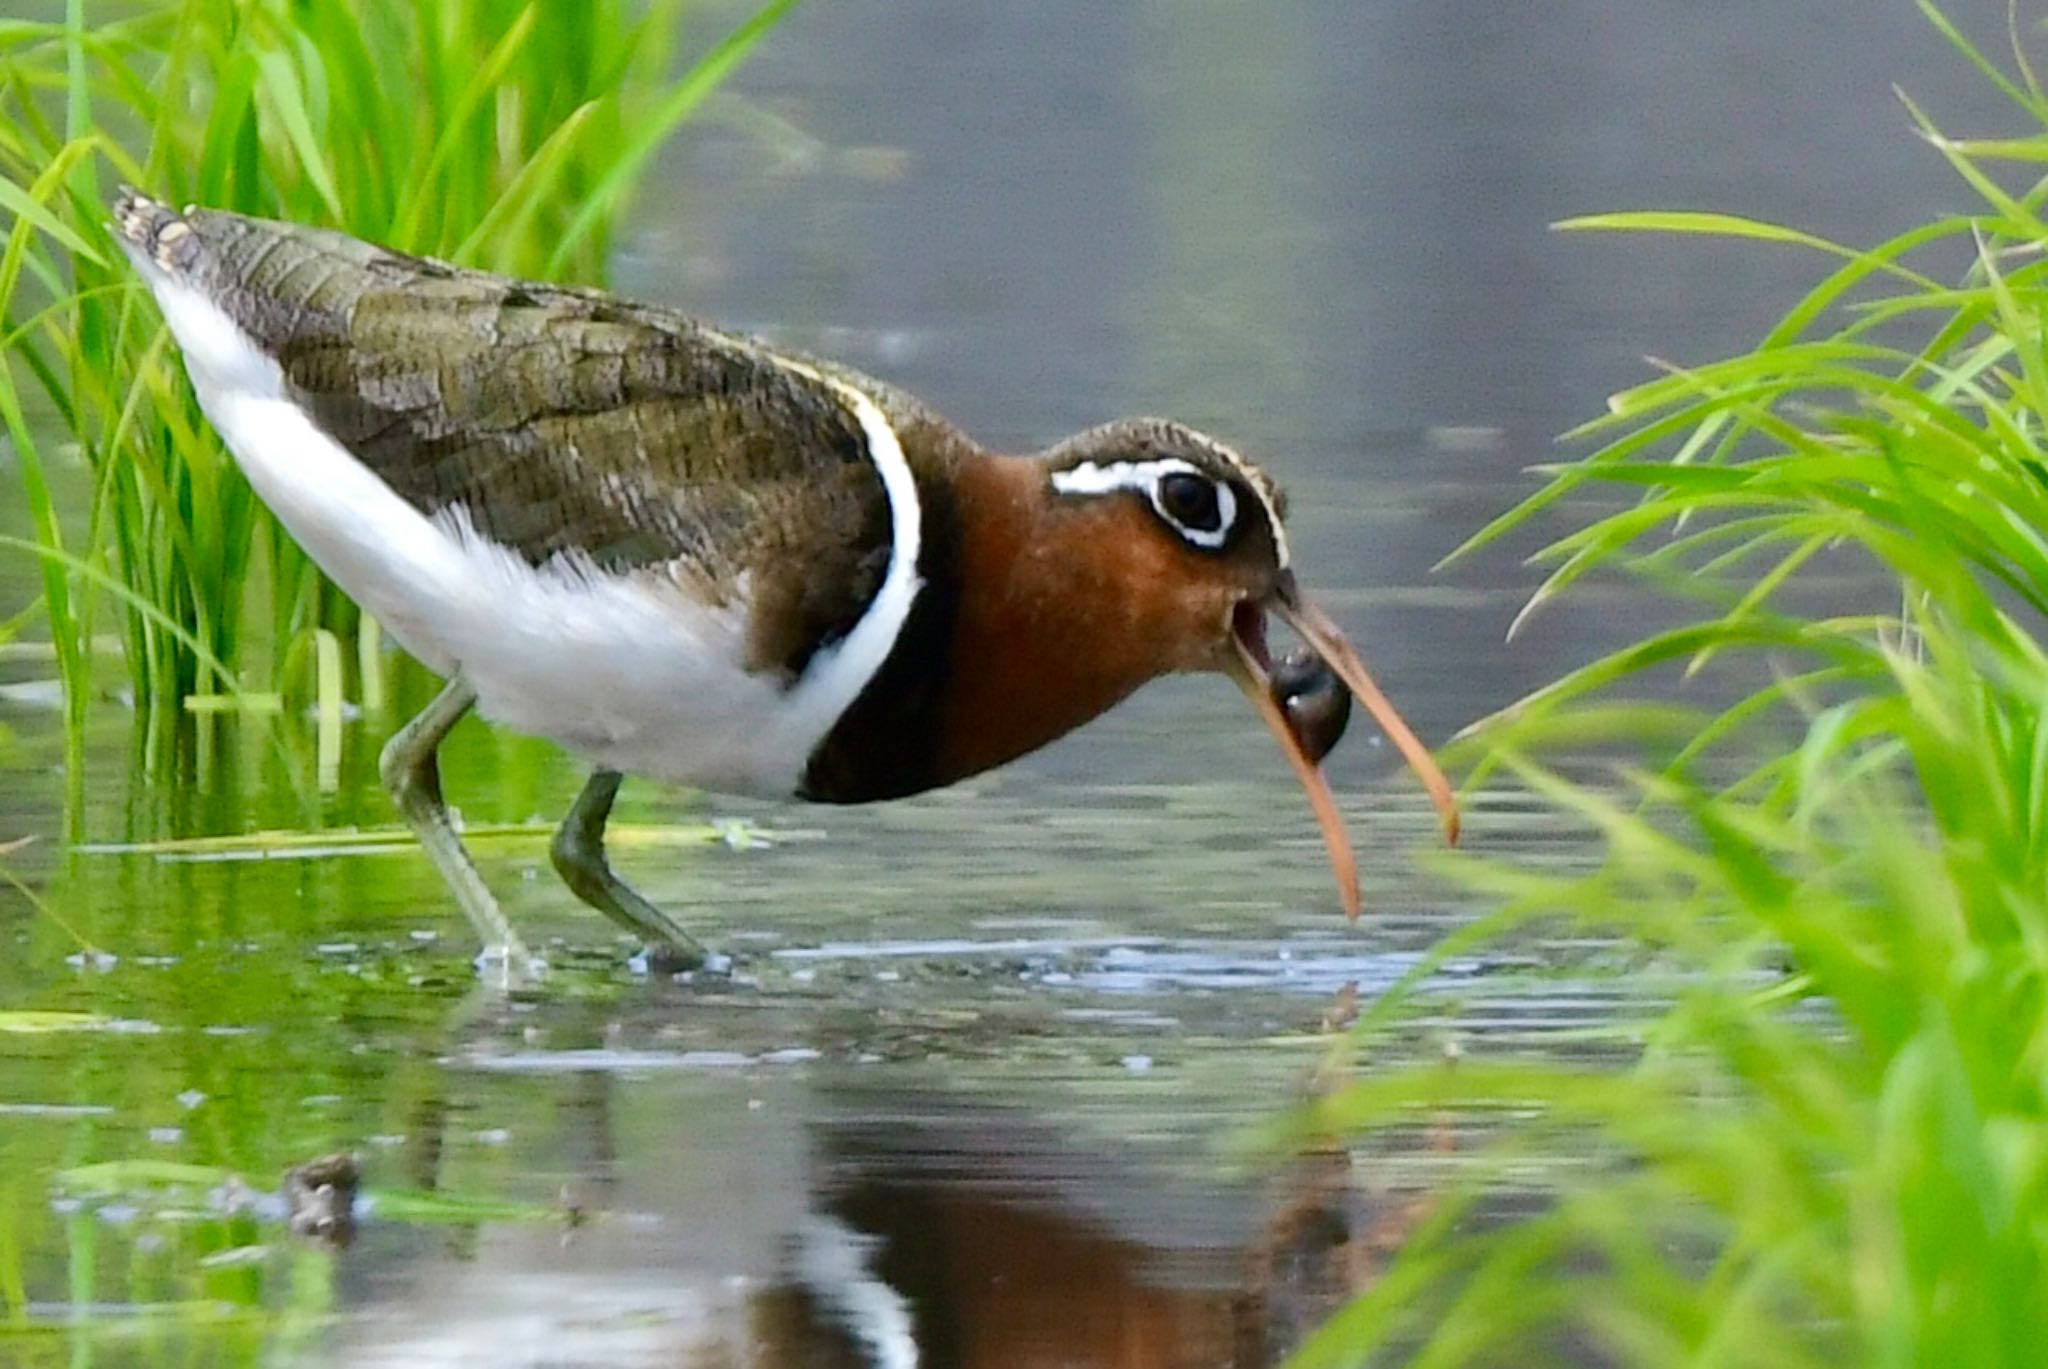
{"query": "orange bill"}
{"type": "Point", "coordinates": [1328, 642]}
{"type": "Point", "coordinates": [1244, 668]}
{"type": "Point", "coordinates": [1246, 665]}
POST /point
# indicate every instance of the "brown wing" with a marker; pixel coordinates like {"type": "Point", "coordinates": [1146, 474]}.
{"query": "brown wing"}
{"type": "Point", "coordinates": [566, 423]}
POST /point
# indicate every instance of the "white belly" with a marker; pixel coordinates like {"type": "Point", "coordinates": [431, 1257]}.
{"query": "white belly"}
{"type": "Point", "coordinates": [628, 671]}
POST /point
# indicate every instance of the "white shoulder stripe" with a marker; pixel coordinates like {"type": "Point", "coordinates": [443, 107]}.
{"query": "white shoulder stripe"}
{"type": "Point", "coordinates": [832, 1261]}
{"type": "Point", "coordinates": [837, 674]}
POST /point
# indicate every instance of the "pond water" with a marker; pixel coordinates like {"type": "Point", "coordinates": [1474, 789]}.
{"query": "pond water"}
{"type": "Point", "coordinates": [970, 1093]}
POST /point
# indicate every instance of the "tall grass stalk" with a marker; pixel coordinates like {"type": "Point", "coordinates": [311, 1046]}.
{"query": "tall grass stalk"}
{"type": "Point", "coordinates": [1833, 1147]}
{"type": "Point", "coordinates": [500, 134]}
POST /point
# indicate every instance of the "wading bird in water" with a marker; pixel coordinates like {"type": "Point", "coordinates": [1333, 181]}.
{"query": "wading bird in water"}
{"type": "Point", "coordinates": [683, 553]}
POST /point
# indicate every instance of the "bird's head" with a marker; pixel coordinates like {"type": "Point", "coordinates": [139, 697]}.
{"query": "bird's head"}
{"type": "Point", "coordinates": [1202, 564]}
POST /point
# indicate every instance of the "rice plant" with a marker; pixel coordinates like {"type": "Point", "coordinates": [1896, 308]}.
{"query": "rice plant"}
{"type": "Point", "coordinates": [497, 133]}
{"type": "Point", "coordinates": [1832, 1147]}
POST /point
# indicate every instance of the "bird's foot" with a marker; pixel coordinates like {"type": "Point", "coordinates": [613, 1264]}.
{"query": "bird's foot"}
{"type": "Point", "coordinates": [660, 958]}
{"type": "Point", "coordinates": [509, 965]}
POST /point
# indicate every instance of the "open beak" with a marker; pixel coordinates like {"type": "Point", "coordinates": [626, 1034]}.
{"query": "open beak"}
{"type": "Point", "coordinates": [1249, 663]}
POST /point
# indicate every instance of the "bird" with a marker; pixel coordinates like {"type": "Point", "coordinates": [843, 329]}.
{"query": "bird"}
{"type": "Point", "coordinates": [682, 553]}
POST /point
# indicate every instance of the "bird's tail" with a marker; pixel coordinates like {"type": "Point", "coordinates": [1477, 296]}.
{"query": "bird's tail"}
{"type": "Point", "coordinates": [156, 235]}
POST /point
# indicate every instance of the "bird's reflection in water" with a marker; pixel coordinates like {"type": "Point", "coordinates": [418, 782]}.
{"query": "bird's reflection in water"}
{"type": "Point", "coordinates": [977, 1240]}
{"type": "Point", "coordinates": [879, 1224]}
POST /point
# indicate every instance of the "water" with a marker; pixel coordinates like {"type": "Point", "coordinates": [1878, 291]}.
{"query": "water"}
{"type": "Point", "coordinates": [972, 1083]}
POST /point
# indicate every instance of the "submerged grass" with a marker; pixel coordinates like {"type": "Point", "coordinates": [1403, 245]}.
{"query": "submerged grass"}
{"type": "Point", "coordinates": [500, 134]}
{"type": "Point", "coordinates": [379, 840]}
{"type": "Point", "coordinates": [1833, 1147]}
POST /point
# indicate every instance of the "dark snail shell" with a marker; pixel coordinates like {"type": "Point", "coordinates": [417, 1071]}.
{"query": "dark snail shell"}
{"type": "Point", "coordinates": [1317, 705]}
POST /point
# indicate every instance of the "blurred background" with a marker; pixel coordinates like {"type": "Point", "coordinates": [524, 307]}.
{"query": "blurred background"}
{"type": "Point", "coordinates": [1320, 229]}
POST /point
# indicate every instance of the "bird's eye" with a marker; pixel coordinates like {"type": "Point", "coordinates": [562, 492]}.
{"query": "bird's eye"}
{"type": "Point", "coordinates": [1191, 501]}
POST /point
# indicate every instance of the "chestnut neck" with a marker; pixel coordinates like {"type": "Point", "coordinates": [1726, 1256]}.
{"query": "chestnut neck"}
{"type": "Point", "coordinates": [1046, 635]}
{"type": "Point", "coordinates": [1032, 620]}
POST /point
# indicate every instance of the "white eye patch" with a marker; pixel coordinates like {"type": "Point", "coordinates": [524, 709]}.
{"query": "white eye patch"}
{"type": "Point", "coordinates": [1150, 478]}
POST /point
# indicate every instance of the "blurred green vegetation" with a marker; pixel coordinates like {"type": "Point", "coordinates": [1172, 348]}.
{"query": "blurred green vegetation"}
{"type": "Point", "coordinates": [180, 1022]}
{"type": "Point", "coordinates": [1832, 1147]}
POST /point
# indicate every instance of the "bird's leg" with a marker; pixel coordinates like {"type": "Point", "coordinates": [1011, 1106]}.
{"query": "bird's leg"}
{"type": "Point", "coordinates": [578, 851]}
{"type": "Point", "coordinates": [412, 773]}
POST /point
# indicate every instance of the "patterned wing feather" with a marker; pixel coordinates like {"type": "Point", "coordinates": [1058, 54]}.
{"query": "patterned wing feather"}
{"type": "Point", "coordinates": [563, 423]}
